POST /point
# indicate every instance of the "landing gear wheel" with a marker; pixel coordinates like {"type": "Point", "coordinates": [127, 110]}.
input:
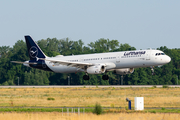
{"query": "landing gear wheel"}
{"type": "Point", "coordinates": [153, 73]}
{"type": "Point", "coordinates": [105, 77]}
{"type": "Point", "coordinates": [86, 77]}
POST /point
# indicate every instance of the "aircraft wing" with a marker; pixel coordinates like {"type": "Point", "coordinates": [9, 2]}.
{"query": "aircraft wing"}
{"type": "Point", "coordinates": [70, 64]}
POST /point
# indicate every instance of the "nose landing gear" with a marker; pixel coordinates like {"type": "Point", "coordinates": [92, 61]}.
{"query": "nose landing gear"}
{"type": "Point", "coordinates": [152, 69]}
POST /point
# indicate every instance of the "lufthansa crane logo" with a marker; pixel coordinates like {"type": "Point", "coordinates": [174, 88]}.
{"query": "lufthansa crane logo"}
{"type": "Point", "coordinates": [33, 51]}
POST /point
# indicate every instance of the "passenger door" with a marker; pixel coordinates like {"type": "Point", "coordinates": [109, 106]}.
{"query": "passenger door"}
{"type": "Point", "coordinates": [117, 58]}
{"type": "Point", "coordinates": [148, 54]}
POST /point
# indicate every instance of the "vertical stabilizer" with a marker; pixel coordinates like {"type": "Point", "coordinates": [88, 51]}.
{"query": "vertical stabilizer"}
{"type": "Point", "coordinates": [33, 49]}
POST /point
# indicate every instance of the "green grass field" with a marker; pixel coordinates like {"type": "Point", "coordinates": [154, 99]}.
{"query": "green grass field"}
{"type": "Point", "coordinates": [88, 97]}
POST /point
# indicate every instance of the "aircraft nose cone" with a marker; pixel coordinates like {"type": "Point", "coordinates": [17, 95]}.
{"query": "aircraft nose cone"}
{"type": "Point", "coordinates": [168, 59]}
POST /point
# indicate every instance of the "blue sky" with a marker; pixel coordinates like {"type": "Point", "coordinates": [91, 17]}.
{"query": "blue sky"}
{"type": "Point", "coordinates": [140, 23]}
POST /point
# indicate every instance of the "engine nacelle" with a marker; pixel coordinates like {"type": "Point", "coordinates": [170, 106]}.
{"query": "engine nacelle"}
{"type": "Point", "coordinates": [97, 69]}
{"type": "Point", "coordinates": [124, 71]}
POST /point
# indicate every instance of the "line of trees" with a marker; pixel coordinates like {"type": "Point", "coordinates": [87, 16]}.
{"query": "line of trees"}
{"type": "Point", "coordinates": [9, 72]}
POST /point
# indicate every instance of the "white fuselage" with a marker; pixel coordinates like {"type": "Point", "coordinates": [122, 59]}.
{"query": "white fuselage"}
{"type": "Point", "coordinates": [112, 60]}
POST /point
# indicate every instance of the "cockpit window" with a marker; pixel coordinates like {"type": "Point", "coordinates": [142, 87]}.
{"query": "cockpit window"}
{"type": "Point", "coordinates": [157, 54]}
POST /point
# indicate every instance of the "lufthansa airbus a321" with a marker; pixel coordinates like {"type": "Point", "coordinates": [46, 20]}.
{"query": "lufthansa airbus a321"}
{"type": "Point", "coordinates": [121, 63]}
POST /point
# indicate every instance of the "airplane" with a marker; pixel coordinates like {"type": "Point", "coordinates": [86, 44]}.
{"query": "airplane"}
{"type": "Point", "coordinates": [121, 63]}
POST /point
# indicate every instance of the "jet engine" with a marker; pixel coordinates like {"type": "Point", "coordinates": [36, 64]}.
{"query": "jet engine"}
{"type": "Point", "coordinates": [97, 69]}
{"type": "Point", "coordinates": [124, 71]}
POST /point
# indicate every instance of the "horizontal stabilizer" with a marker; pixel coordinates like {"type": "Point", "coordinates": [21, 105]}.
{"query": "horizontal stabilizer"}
{"type": "Point", "coordinates": [23, 62]}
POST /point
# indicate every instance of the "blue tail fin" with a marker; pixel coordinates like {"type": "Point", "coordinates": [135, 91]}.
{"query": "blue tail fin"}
{"type": "Point", "coordinates": [33, 49]}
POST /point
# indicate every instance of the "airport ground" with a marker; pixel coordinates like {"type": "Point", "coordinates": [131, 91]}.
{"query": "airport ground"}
{"type": "Point", "coordinates": [47, 99]}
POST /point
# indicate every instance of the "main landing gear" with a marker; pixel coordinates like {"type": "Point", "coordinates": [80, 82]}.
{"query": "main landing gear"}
{"type": "Point", "coordinates": [86, 77]}
{"type": "Point", "coordinates": [104, 77]}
